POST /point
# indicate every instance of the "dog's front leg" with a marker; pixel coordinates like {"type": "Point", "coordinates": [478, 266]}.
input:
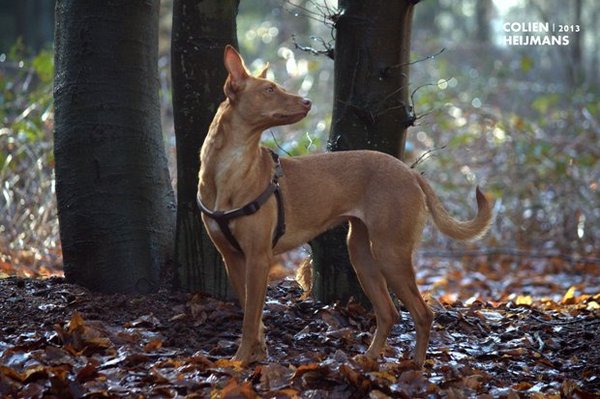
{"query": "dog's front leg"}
{"type": "Point", "coordinates": [236, 271]}
{"type": "Point", "coordinates": [253, 347]}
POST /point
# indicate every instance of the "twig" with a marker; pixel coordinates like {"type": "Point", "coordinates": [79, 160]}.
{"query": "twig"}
{"type": "Point", "coordinates": [412, 94]}
{"type": "Point", "coordinates": [328, 48]}
{"type": "Point", "coordinates": [277, 143]}
{"type": "Point", "coordinates": [429, 57]}
{"type": "Point", "coordinates": [426, 154]}
{"type": "Point", "coordinates": [325, 14]}
{"type": "Point", "coordinates": [310, 141]}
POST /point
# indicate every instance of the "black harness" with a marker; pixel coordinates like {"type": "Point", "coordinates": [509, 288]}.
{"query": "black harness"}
{"type": "Point", "coordinates": [223, 217]}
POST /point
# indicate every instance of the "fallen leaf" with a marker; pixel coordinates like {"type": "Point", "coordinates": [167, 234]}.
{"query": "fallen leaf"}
{"type": "Point", "coordinates": [522, 386]}
{"type": "Point", "coordinates": [275, 377]}
{"type": "Point", "coordinates": [569, 297]}
{"type": "Point", "coordinates": [75, 323]}
{"type": "Point", "coordinates": [156, 343]}
{"type": "Point", "coordinates": [235, 390]}
{"type": "Point", "coordinates": [524, 300]}
{"type": "Point", "coordinates": [229, 364]}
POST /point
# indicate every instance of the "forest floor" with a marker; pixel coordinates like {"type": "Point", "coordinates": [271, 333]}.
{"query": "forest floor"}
{"type": "Point", "coordinates": [504, 328]}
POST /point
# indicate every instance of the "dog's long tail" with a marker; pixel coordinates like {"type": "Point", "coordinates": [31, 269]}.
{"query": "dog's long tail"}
{"type": "Point", "coordinates": [468, 230]}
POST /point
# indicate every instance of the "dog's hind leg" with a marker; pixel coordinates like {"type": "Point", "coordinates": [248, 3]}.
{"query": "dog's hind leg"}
{"type": "Point", "coordinates": [401, 279]}
{"type": "Point", "coordinates": [373, 283]}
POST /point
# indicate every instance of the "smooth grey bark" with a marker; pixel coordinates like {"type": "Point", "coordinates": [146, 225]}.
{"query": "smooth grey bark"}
{"type": "Point", "coordinates": [371, 111]}
{"type": "Point", "coordinates": [201, 29]}
{"type": "Point", "coordinates": [115, 203]}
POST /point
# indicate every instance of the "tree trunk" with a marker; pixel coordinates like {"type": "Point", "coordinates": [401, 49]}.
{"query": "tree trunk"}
{"type": "Point", "coordinates": [34, 22]}
{"type": "Point", "coordinates": [115, 201]}
{"type": "Point", "coordinates": [201, 29]}
{"type": "Point", "coordinates": [371, 111]}
{"type": "Point", "coordinates": [594, 57]}
{"type": "Point", "coordinates": [576, 63]}
{"type": "Point", "coordinates": [483, 19]}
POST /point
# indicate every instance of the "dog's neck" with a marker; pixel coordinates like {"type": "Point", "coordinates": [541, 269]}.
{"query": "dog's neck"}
{"type": "Point", "coordinates": [221, 131]}
{"type": "Point", "coordinates": [230, 156]}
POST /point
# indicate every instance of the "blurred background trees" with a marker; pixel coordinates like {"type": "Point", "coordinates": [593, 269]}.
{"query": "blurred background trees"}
{"type": "Point", "coordinates": [522, 122]}
{"type": "Point", "coordinates": [30, 21]}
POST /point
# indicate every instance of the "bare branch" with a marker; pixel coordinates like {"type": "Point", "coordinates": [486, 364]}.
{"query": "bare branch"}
{"type": "Point", "coordinates": [327, 50]}
{"type": "Point", "coordinates": [324, 12]}
{"type": "Point", "coordinates": [426, 155]}
{"type": "Point", "coordinates": [277, 143]}
{"type": "Point", "coordinates": [412, 95]}
{"type": "Point", "coordinates": [387, 70]}
{"type": "Point", "coordinates": [429, 57]}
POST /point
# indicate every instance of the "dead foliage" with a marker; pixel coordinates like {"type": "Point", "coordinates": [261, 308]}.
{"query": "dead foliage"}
{"type": "Point", "coordinates": [59, 340]}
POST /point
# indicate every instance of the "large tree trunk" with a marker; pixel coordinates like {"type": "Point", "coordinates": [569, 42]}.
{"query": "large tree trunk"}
{"type": "Point", "coordinates": [115, 201]}
{"type": "Point", "coordinates": [201, 29]}
{"type": "Point", "coordinates": [371, 111]}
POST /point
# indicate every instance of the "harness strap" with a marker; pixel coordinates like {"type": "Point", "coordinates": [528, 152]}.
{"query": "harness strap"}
{"type": "Point", "coordinates": [223, 217]}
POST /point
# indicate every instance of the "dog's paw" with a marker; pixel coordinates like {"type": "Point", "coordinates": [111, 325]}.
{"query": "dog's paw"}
{"type": "Point", "coordinates": [248, 354]}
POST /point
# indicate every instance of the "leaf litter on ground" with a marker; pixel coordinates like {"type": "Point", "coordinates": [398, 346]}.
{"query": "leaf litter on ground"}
{"type": "Point", "coordinates": [500, 331]}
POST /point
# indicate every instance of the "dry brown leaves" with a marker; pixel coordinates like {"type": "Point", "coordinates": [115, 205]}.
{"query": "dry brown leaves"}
{"type": "Point", "coordinates": [59, 340]}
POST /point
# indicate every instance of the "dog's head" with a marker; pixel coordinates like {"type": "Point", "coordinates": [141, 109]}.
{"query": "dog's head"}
{"type": "Point", "coordinates": [259, 101]}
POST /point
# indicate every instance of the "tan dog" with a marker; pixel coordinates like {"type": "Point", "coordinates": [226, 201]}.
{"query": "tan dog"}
{"type": "Point", "coordinates": [384, 201]}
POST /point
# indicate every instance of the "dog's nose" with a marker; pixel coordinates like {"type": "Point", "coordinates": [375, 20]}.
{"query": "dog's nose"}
{"type": "Point", "coordinates": [306, 102]}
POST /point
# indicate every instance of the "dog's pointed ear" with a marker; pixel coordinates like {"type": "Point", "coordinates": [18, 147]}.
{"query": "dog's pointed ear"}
{"type": "Point", "coordinates": [263, 74]}
{"type": "Point", "coordinates": [237, 71]}
{"type": "Point", "coordinates": [235, 64]}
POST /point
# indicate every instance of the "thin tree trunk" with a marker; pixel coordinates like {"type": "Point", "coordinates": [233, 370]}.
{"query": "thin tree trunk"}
{"type": "Point", "coordinates": [576, 64]}
{"type": "Point", "coordinates": [201, 29]}
{"type": "Point", "coordinates": [371, 111]}
{"type": "Point", "coordinates": [594, 57]}
{"type": "Point", "coordinates": [115, 201]}
{"type": "Point", "coordinates": [483, 16]}
{"type": "Point", "coordinates": [34, 22]}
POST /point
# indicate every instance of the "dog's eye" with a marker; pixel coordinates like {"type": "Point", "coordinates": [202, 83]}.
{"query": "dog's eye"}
{"type": "Point", "coordinates": [270, 89]}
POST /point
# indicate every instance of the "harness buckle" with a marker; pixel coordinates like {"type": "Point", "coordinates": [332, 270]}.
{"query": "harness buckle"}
{"type": "Point", "coordinates": [251, 208]}
{"type": "Point", "coordinates": [217, 214]}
